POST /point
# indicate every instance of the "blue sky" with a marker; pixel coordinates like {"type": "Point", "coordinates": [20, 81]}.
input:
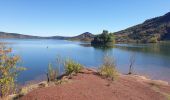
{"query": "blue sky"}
{"type": "Point", "coordinates": [73, 17]}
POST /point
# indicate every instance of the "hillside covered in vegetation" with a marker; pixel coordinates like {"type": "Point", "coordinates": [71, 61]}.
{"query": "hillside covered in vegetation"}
{"type": "Point", "coordinates": [152, 30]}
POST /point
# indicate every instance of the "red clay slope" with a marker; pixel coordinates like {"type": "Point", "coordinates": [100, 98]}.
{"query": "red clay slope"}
{"type": "Point", "coordinates": [93, 87]}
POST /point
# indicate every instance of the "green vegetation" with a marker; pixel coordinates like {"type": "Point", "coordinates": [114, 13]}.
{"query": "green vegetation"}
{"type": "Point", "coordinates": [108, 68]}
{"type": "Point", "coordinates": [8, 71]}
{"type": "Point", "coordinates": [144, 32]}
{"type": "Point", "coordinates": [105, 39]}
{"type": "Point", "coordinates": [52, 73]}
{"type": "Point", "coordinates": [72, 67]}
{"type": "Point", "coordinates": [153, 39]}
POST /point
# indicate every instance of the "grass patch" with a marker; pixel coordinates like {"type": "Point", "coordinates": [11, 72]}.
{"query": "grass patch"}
{"type": "Point", "coordinates": [52, 73]}
{"type": "Point", "coordinates": [72, 67]}
{"type": "Point", "coordinates": [108, 68]}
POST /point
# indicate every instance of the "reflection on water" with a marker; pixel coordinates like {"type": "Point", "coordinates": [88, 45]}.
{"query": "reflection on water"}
{"type": "Point", "coordinates": [159, 48]}
{"type": "Point", "coordinates": [151, 59]}
{"type": "Point", "coordinates": [103, 48]}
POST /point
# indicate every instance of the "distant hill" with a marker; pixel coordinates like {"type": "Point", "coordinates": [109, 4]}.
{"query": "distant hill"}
{"type": "Point", "coordinates": [82, 37]}
{"type": "Point", "coordinates": [4, 35]}
{"type": "Point", "coordinates": [156, 27]}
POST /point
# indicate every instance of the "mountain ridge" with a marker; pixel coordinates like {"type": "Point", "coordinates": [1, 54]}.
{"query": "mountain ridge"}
{"type": "Point", "coordinates": [87, 36]}
{"type": "Point", "coordinates": [16, 35]}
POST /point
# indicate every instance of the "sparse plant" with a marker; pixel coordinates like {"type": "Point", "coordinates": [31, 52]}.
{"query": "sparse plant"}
{"type": "Point", "coordinates": [60, 63]}
{"type": "Point", "coordinates": [8, 71]}
{"type": "Point", "coordinates": [72, 66]}
{"type": "Point", "coordinates": [132, 61]}
{"type": "Point", "coordinates": [52, 73]}
{"type": "Point", "coordinates": [108, 68]}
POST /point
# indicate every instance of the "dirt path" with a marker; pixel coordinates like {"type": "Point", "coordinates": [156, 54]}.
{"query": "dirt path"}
{"type": "Point", "coordinates": [93, 87]}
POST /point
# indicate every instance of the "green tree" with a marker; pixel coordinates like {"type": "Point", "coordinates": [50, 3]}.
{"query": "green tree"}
{"type": "Point", "coordinates": [105, 38]}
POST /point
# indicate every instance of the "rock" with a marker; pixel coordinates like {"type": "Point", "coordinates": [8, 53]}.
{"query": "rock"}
{"type": "Point", "coordinates": [43, 84]}
{"type": "Point", "coordinates": [158, 82]}
{"type": "Point", "coordinates": [150, 81]}
{"type": "Point", "coordinates": [88, 71]}
{"type": "Point", "coordinates": [65, 78]}
{"type": "Point", "coordinates": [91, 69]}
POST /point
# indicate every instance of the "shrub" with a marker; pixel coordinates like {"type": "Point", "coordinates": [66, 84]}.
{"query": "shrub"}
{"type": "Point", "coordinates": [108, 68]}
{"type": "Point", "coordinates": [153, 39]}
{"type": "Point", "coordinates": [52, 74]}
{"type": "Point", "coordinates": [8, 71]}
{"type": "Point", "coordinates": [72, 67]}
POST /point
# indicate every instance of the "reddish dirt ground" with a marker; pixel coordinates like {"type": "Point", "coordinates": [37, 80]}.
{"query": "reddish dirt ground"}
{"type": "Point", "coordinates": [93, 87]}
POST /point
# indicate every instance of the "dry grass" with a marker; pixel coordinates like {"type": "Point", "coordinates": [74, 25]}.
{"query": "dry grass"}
{"type": "Point", "coordinates": [52, 73]}
{"type": "Point", "coordinates": [108, 68]}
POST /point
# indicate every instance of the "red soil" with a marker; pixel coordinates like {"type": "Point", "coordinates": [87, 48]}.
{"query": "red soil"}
{"type": "Point", "coordinates": [93, 87]}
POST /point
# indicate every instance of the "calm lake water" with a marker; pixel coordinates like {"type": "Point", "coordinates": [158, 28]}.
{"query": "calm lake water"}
{"type": "Point", "coordinates": [152, 60]}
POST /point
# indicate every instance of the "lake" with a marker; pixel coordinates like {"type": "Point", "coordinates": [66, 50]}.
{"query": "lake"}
{"type": "Point", "coordinates": [152, 60]}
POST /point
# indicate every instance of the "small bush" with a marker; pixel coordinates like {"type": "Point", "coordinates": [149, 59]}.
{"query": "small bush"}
{"type": "Point", "coordinates": [8, 71]}
{"type": "Point", "coordinates": [108, 68]}
{"type": "Point", "coordinates": [52, 74]}
{"type": "Point", "coordinates": [153, 39]}
{"type": "Point", "coordinates": [72, 67]}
